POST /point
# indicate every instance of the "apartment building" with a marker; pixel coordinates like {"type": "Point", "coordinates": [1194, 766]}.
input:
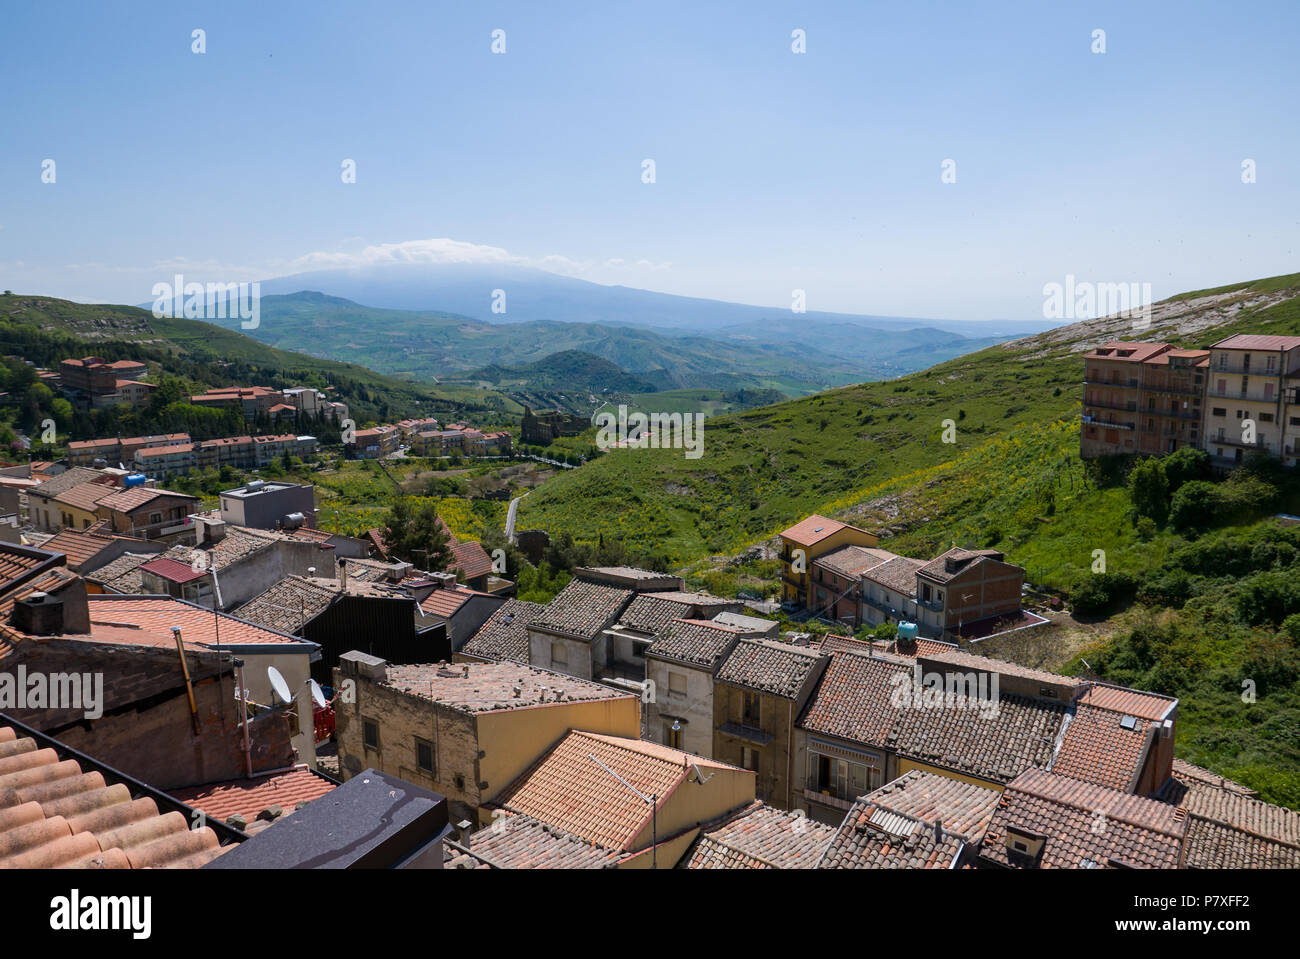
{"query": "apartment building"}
{"type": "Point", "coordinates": [157, 462]}
{"type": "Point", "coordinates": [803, 543]}
{"type": "Point", "coordinates": [1251, 398]}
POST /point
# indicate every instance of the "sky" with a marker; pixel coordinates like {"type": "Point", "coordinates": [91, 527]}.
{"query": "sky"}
{"type": "Point", "coordinates": [773, 170]}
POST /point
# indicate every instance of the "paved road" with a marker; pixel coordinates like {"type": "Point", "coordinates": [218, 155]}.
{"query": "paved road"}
{"type": "Point", "coordinates": [510, 517]}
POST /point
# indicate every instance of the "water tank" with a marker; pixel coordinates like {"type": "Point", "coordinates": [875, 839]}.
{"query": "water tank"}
{"type": "Point", "coordinates": [133, 479]}
{"type": "Point", "coordinates": [294, 520]}
{"type": "Point", "coordinates": [907, 630]}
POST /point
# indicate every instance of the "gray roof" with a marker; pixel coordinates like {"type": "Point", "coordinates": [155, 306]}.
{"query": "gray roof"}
{"type": "Point", "coordinates": [505, 634]}
{"type": "Point", "coordinates": [769, 667]}
{"type": "Point", "coordinates": [584, 609]}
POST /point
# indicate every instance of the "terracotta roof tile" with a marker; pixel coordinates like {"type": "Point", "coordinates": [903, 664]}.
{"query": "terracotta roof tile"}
{"type": "Point", "coordinates": [505, 634]}
{"type": "Point", "coordinates": [289, 604]}
{"type": "Point", "coordinates": [584, 609]}
{"type": "Point", "coordinates": [490, 687]}
{"type": "Point", "coordinates": [760, 837]}
{"type": "Point", "coordinates": [1096, 748]}
{"type": "Point", "coordinates": [147, 621]}
{"type": "Point", "coordinates": [870, 838]}
{"type": "Point", "coordinates": [54, 815]}
{"type": "Point", "coordinates": [854, 699]}
{"type": "Point", "coordinates": [777, 669]}
{"type": "Point", "coordinates": [701, 644]}
{"type": "Point", "coordinates": [470, 559]}
{"type": "Point", "coordinates": [565, 789]}
{"type": "Point", "coordinates": [248, 797]}
{"type": "Point", "coordinates": [516, 841]}
{"type": "Point", "coordinates": [1085, 825]}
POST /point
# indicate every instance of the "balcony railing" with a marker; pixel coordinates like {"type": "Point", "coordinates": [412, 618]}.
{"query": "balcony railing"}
{"type": "Point", "coordinates": [1090, 421]}
{"type": "Point", "coordinates": [1250, 396]}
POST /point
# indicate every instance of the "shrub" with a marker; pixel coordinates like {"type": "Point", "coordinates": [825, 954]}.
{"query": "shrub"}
{"type": "Point", "coordinates": [1099, 592]}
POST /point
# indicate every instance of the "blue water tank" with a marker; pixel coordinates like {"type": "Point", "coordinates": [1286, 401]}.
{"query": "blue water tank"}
{"type": "Point", "coordinates": [134, 479]}
{"type": "Point", "coordinates": [907, 630]}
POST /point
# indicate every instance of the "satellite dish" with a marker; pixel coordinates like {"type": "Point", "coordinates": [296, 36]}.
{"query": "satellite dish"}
{"type": "Point", "coordinates": [318, 695]}
{"type": "Point", "coordinates": [278, 684]}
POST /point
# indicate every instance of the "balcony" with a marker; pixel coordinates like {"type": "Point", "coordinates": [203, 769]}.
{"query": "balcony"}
{"type": "Point", "coordinates": [1090, 421]}
{"type": "Point", "coordinates": [748, 733]}
{"type": "Point", "coordinates": [1126, 408]}
{"type": "Point", "coordinates": [812, 794]}
{"type": "Point", "coordinates": [1248, 396]}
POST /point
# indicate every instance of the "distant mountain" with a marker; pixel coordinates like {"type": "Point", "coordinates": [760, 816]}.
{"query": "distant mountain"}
{"type": "Point", "coordinates": [536, 295]}
{"type": "Point", "coordinates": [792, 357]}
{"type": "Point", "coordinates": [568, 369]}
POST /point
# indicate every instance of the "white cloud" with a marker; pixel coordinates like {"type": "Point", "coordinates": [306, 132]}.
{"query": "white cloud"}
{"type": "Point", "coordinates": [447, 250]}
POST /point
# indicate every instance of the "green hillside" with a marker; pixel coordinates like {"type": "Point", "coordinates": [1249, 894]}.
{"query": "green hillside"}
{"type": "Point", "coordinates": [428, 343]}
{"type": "Point", "coordinates": [45, 330]}
{"type": "Point", "coordinates": [1207, 608]}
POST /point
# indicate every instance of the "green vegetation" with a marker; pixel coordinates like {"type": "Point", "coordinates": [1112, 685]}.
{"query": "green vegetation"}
{"type": "Point", "coordinates": [185, 356]}
{"type": "Point", "coordinates": [412, 533]}
{"type": "Point", "coordinates": [1119, 538]}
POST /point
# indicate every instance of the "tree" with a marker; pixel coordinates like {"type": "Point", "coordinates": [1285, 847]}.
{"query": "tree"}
{"type": "Point", "coordinates": [1149, 490]}
{"type": "Point", "coordinates": [415, 535]}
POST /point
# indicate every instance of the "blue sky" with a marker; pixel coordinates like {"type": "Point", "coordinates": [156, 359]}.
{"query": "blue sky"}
{"type": "Point", "coordinates": [775, 170]}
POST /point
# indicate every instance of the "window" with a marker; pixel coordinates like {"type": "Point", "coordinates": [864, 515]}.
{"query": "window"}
{"type": "Point", "coordinates": [424, 755]}
{"type": "Point", "coordinates": [1266, 417]}
{"type": "Point", "coordinates": [370, 734]}
{"type": "Point", "coordinates": [752, 713]}
{"type": "Point", "coordinates": [1219, 411]}
{"type": "Point", "coordinates": [155, 518]}
{"type": "Point", "coordinates": [672, 737]}
{"type": "Point", "coordinates": [559, 654]}
{"type": "Point", "coordinates": [749, 759]}
{"type": "Point", "coordinates": [676, 684]}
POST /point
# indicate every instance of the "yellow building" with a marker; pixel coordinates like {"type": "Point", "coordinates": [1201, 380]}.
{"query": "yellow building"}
{"type": "Point", "coordinates": [806, 541]}
{"type": "Point", "coordinates": [466, 730]}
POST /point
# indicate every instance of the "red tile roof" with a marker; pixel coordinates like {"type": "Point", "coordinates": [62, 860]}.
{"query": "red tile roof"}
{"type": "Point", "coordinates": [1085, 825]}
{"type": "Point", "coordinates": [564, 788]}
{"type": "Point", "coordinates": [248, 797]}
{"type": "Point", "coordinates": [1096, 748]}
{"type": "Point", "coordinates": [470, 559]}
{"type": "Point", "coordinates": [814, 529]}
{"type": "Point", "coordinates": [147, 621]}
{"type": "Point", "coordinates": [1133, 702]}
{"type": "Point", "coordinates": [127, 500]}
{"type": "Point", "coordinates": [55, 814]}
{"type": "Point", "coordinates": [760, 837]}
{"type": "Point", "coordinates": [1256, 341]}
{"type": "Point", "coordinates": [173, 570]}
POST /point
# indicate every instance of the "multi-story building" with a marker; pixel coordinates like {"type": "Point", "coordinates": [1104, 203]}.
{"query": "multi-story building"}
{"type": "Point", "coordinates": [803, 543]}
{"type": "Point", "coordinates": [1249, 397]}
{"type": "Point", "coordinates": [250, 399]}
{"type": "Point", "coordinates": [1113, 397]}
{"type": "Point", "coordinates": [159, 461]}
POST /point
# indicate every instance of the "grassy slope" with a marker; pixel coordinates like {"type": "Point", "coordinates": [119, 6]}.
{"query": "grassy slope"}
{"type": "Point", "coordinates": [99, 324]}
{"type": "Point", "coordinates": [1013, 480]}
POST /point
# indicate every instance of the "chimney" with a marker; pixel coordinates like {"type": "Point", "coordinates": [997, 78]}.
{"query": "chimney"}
{"type": "Point", "coordinates": [938, 831]}
{"type": "Point", "coordinates": [443, 580]}
{"type": "Point", "coordinates": [462, 832]}
{"type": "Point", "coordinates": [39, 614]}
{"type": "Point", "coordinates": [343, 574]}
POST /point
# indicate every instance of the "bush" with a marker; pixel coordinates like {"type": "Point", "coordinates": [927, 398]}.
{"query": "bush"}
{"type": "Point", "coordinates": [1149, 490]}
{"type": "Point", "coordinates": [1195, 506]}
{"type": "Point", "coordinates": [1099, 592]}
